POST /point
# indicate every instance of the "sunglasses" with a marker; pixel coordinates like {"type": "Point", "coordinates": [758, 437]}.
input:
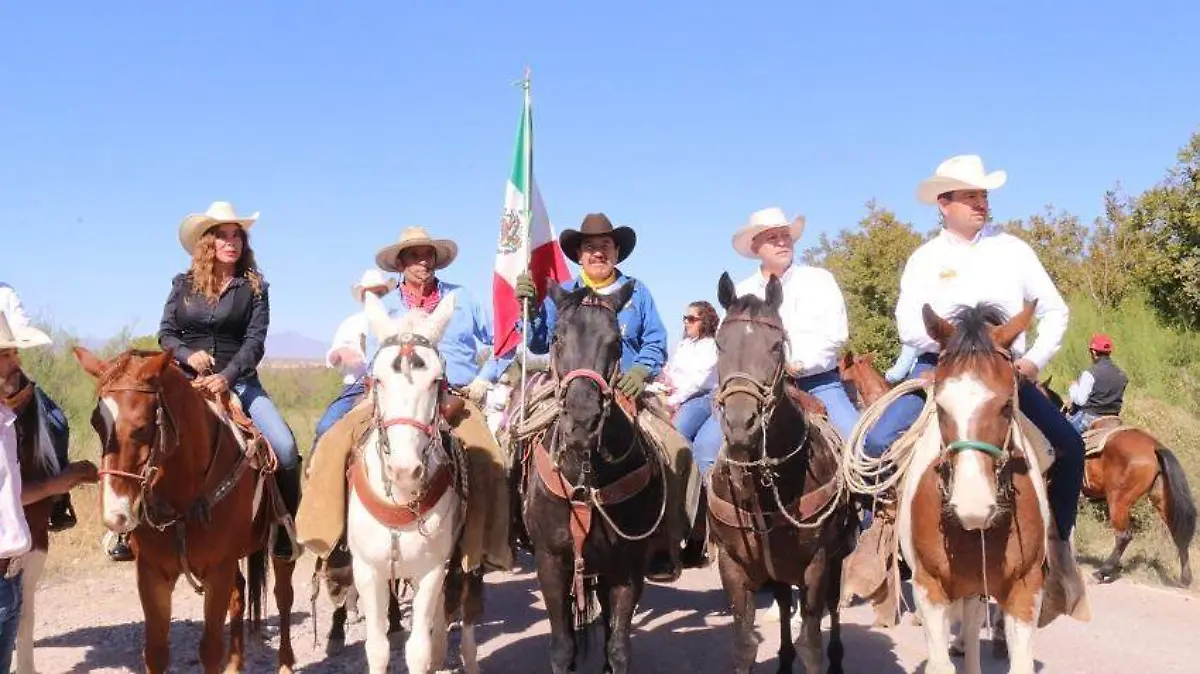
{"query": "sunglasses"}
{"type": "Point", "coordinates": [691, 319]}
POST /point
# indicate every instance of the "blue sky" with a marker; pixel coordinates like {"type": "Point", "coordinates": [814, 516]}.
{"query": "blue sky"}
{"type": "Point", "coordinates": [345, 122]}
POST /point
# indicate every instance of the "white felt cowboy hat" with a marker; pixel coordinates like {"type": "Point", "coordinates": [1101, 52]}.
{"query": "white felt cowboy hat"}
{"type": "Point", "coordinates": [219, 213]}
{"type": "Point", "coordinates": [372, 278]}
{"type": "Point", "coordinates": [20, 336]}
{"type": "Point", "coordinates": [962, 172]}
{"type": "Point", "coordinates": [761, 221]}
{"type": "Point", "coordinates": [445, 249]}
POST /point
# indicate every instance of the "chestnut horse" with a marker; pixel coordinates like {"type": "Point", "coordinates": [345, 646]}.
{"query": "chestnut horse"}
{"type": "Point", "coordinates": [195, 501]}
{"type": "Point", "coordinates": [1131, 464]}
{"type": "Point", "coordinates": [974, 514]}
{"type": "Point", "coordinates": [861, 379]}
{"type": "Point", "coordinates": [776, 509]}
{"type": "Point", "coordinates": [38, 462]}
{"type": "Point", "coordinates": [593, 489]}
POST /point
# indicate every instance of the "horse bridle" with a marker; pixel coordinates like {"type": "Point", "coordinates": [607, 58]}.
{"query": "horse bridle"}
{"type": "Point", "coordinates": [999, 454]}
{"type": "Point", "coordinates": [766, 397]}
{"type": "Point", "coordinates": [407, 344]}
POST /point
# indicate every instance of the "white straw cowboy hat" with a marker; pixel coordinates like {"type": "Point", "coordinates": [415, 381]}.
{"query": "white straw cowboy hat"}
{"type": "Point", "coordinates": [372, 278]}
{"type": "Point", "coordinates": [761, 221]}
{"type": "Point", "coordinates": [219, 213]}
{"type": "Point", "coordinates": [961, 172]}
{"type": "Point", "coordinates": [20, 336]}
{"type": "Point", "coordinates": [445, 249]}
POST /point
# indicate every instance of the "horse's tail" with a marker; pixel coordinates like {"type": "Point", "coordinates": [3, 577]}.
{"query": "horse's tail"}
{"type": "Point", "coordinates": [1180, 506]}
{"type": "Point", "coordinates": [256, 587]}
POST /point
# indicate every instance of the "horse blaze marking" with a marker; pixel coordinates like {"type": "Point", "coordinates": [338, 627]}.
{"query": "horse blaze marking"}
{"type": "Point", "coordinates": [114, 504]}
{"type": "Point", "coordinates": [961, 397]}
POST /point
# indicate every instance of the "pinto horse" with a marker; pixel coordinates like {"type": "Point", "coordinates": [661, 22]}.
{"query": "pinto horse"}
{"type": "Point", "coordinates": [1131, 464]}
{"type": "Point", "coordinates": [862, 379]}
{"type": "Point", "coordinates": [775, 506]}
{"type": "Point", "coordinates": [593, 490]}
{"type": "Point", "coordinates": [195, 499]}
{"type": "Point", "coordinates": [974, 515]}
{"type": "Point", "coordinates": [38, 462]}
{"type": "Point", "coordinates": [407, 500]}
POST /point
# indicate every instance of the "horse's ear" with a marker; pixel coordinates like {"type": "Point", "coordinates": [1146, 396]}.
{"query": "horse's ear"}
{"type": "Point", "coordinates": [1046, 381]}
{"type": "Point", "coordinates": [622, 296]}
{"type": "Point", "coordinates": [726, 293]}
{"type": "Point", "coordinates": [939, 329]}
{"type": "Point", "coordinates": [557, 294]}
{"type": "Point", "coordinates": [847, 360]}
{"type": "Point", "coordinates": [377, 317]}
{"type": "Point", "coordinates": [436, 324]}
{"type": "Point", "coordinates": [1006, 334]}
{"type": "Point", "coordinates": [90, 362]}
{"type": "Point", "coordinates": [158, 363]}
{"type": "Point", "coordinates": [774, 295]}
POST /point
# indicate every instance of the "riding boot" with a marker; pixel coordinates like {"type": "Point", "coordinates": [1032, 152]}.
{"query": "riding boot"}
{"type": "Point", "coordinates": [63, 515]}
{"type": "Point", "coordinates": [288, 481]}
{"type": "Point", "coordinates": [1065, 591]}
{"type": "Point", "coordinates": [695, 552]}
{"type": "Point", "coordinates": [120, 551]}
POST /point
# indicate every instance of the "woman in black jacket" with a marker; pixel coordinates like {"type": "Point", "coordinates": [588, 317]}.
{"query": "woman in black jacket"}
{"type": "Point", "coordinates": [215, 322]}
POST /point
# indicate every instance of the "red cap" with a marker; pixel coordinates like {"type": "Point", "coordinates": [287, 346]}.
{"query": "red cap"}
{"type": "Point", "coordinates": [1101, 343]}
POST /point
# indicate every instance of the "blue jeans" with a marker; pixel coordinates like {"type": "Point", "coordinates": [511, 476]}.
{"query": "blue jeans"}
{"type": "Point", "coordinates": [10, 618]}
{"type": "Point", "coordinates": [1065, 477]}
{"type": "Point", "coordinates": [1081, 420]}
{"type": "Point", "coordinates": [56, 423]}
{"type": "Point", "coordinates": [267, 418]}
{"type": "Point", "coordinates": [827, 387]}
{"type": "Point", "coordinates": [340, 407]}
{"type": "Point", "coordinates": [692, 415]}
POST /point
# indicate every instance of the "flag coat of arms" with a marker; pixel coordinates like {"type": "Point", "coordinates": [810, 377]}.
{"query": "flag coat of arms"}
{"type": "Point", "coordinates": [526, 237]}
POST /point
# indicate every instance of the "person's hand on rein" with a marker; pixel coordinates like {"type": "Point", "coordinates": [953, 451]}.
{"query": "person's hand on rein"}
{"type": "Point", "coordinates": [1027, 369]}
{"type": "Point", "coordinates": [200, 362]}
{"type": "Point", "coordinates": [213, 384]}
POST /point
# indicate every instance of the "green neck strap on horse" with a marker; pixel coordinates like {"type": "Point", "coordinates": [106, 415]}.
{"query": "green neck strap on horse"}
{"type": "Point", "coordinates": [977, 445]}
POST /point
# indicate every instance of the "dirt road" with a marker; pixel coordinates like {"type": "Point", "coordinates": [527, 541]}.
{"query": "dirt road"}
{"type": "Point", "coordinates": [93, 624]}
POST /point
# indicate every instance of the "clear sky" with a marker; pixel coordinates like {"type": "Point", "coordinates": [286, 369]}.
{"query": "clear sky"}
{"type": "Point", "coordinates": [345, 122]}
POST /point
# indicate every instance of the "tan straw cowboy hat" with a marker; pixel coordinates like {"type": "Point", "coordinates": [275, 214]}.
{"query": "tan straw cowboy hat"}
{"type": "Point", "coordinates": [761, 221]}
{"type": "Point", "coordinates": [372, 278]}
{"type": "Point", "coordinates": [597, 224]}
{"type": "Point", "coordinates": [219, 213]}
{"type": "Point", "coordinates": [961, 172]}
{"type": "Point", "coordinates": [20, 336]}
{"type": "Point", "coordinates": [445, 249]}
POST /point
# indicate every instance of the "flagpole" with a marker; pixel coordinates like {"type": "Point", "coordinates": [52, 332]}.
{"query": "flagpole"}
{"type": "Point", "coordinates": [527, 225]}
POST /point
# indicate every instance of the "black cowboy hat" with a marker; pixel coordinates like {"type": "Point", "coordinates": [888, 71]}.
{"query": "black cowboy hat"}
{"type": "Point", "coordinates": [597, 224]}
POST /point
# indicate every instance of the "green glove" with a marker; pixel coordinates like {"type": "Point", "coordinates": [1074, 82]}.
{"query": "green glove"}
{"type": "Point", "coordinates": [633, 383]}
{"type": "Point", "coordinates": [525, 290]}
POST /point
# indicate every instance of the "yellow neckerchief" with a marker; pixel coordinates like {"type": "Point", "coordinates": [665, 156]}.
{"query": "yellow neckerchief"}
{"type": "Point", "coordinates": [597, 285]}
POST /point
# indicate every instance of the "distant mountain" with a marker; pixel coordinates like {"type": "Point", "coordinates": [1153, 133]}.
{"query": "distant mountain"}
{"type": "Point", "coordinates": [292, 345]}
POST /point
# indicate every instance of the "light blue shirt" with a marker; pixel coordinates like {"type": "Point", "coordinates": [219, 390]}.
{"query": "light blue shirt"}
{"type": "Point", "coordinates": [469, 331]}
{"type": "Point", "coordinates": [903, 365]}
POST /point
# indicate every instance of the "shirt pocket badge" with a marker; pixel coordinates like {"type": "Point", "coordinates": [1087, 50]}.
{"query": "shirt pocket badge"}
{"type": "Point", "coordinates": [947, 274]}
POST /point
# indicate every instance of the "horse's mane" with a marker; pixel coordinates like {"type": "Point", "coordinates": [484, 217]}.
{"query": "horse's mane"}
{"type": "Point", "coordinates": [972, 336]}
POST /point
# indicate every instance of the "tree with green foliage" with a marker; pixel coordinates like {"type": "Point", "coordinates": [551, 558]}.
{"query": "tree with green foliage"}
{"type": "Point", "coordinates": [867, 263]}
{"type": "Point", "coordinates": [1113, 268]}
{"type": "Point", "coordinates": [1168, 216]}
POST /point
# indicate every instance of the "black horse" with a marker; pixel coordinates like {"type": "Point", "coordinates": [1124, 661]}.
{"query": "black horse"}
{"type": "Point", "coordinates": [775, 508]}
{"type": "Point", "coordinates": [593, 489]}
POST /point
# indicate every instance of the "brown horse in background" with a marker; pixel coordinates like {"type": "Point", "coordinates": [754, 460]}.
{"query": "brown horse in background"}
{"type": "Point", "coordinates": [1131, 464]}
{"type": "Point", "coordinates": [195, 499]}
{"type": "Point", "coordinates": [861, 379]}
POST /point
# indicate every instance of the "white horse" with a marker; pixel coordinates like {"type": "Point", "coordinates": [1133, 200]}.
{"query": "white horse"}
{"type": "Point", "coordinates": [399, 527]}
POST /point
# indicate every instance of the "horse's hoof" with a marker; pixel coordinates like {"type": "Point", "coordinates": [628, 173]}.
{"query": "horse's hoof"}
{"type": "Point", "coordinates": [999, 649]}
{"type": "Point", "coordinates": [335, 644]}
{"type": "Point", "coordinates": [957, 651]}
{"type": "Point", "coordinates": [1105, 575]}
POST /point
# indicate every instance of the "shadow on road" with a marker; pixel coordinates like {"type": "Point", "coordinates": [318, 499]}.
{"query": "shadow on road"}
{"type": "Point", "coordinates": [119, 647]}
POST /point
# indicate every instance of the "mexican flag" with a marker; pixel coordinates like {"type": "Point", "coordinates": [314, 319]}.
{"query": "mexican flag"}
{"type": "Point", "coordinates": [526, 238]}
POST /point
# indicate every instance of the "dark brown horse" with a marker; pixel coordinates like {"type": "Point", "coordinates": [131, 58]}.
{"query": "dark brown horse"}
{"type": "Point", "coordinates": [862, 381]}
{"type": "Point", "coordinates": [1131, 464]}
{"type": "Point", "coordinates": [195, 500]}
{"type": "Point", "coordinates": [38, 462]}
{"type": "Point", "coordinates": [775, 507]}
{"type": "Point", "coordinates": [593, 490]}
{"type": "Point", "coordinates": [974, 515]}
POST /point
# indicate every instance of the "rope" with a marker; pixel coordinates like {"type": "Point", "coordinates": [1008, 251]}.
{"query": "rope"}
{"type": "Point", "coordinates": [879, 477]}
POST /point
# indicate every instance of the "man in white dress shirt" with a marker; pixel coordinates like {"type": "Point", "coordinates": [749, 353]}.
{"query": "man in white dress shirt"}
{"type": "Point", "coordinates": [814, 317]}
{"type": "Point", "coordinates": [967, 263]}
